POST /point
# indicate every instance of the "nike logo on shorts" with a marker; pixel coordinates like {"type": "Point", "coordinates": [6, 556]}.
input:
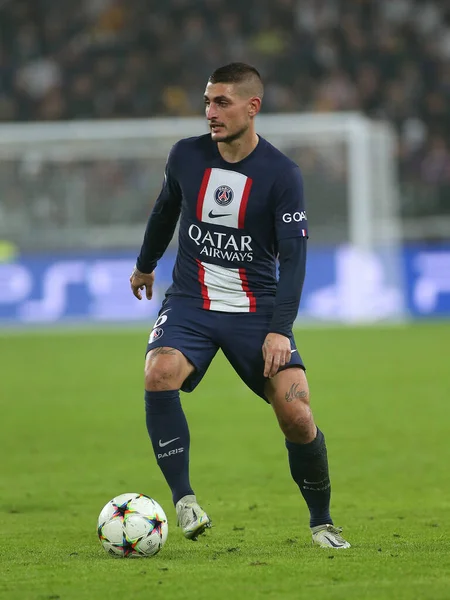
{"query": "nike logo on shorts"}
{"type": "Point", "coordinates": [162, 444]}
{"type": "Point", "coordinates": [212, 215]}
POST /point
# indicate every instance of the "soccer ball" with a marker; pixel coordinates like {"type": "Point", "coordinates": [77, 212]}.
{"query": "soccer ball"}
{"type": "Point", "coordinates": [132, 526]}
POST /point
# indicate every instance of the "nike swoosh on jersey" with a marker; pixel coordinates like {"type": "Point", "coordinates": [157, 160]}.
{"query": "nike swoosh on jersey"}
{"type": "Point", "coordinates": [162, 444]}
{"type": "Point", "coordinates": [212, 215]}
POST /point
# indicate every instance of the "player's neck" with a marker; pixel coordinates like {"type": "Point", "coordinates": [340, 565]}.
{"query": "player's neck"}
{"type": "Point", "coordinates": [239, 149]}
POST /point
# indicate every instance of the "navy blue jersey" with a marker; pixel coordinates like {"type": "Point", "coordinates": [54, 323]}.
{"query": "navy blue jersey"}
{"type": "Point", "coordinates": [233, 217]}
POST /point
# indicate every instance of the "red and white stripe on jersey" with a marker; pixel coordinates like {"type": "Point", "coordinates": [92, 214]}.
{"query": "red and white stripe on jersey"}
{"type": "Point", "coordinates": [225, 290]}
{"type": "Point", "coordinates": [231, 215]}
{"type": "Point", "coordinates": [222, 288]}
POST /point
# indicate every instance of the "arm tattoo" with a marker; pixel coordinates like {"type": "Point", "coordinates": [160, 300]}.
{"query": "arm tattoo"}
{"type": "Point", "coordinates": [293, 394]}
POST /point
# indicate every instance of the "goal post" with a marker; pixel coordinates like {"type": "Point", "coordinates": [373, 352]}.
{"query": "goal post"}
{"type": "Point", "coordinates": [90, 185]}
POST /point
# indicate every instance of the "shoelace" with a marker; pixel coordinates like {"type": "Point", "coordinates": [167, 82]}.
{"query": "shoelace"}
{"type": "Point", "coordinates": [336, 531]}
{"type": "Point", "coordinates": [185, 516]}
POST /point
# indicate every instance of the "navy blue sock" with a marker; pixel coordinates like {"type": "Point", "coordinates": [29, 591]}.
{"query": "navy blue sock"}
{"type": "Point", "coordinates": [309, 470]}
{"type": "Point", "coordinates": [169, 433]}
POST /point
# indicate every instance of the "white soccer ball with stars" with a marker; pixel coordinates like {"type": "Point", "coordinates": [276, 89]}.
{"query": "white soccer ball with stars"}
{"type": "Point", "coordinates": [132, 526]}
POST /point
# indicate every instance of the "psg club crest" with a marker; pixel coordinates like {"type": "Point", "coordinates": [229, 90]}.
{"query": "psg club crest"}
{"type": "Point", "coordinates": [156, 334]}
{"type": "Point", "coordinates": [223, 195]}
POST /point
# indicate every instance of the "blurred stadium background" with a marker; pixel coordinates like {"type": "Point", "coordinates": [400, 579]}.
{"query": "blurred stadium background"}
{"type": "Point", "coordinates": [81, 156]}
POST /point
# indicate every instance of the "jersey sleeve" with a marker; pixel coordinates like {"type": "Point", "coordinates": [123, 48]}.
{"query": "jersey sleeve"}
{"type": "Point", "coordinates": [292, 259]}
{"type": "Point", "coordinates": [163, 219]}
{"type": "Point", "coordinates": [290, 212]}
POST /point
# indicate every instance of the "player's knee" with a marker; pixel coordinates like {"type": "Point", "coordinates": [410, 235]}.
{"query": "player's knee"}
{"type": "Point", "coordinates": [163, 370]}
{"type": "Point", "coordinates": [298, 426]}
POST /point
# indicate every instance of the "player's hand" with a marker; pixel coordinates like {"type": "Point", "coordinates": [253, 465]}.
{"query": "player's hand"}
{"type": "Point", "coordinates": [276, 353]}
{"type": "Point", "coordinates": [139, 281]}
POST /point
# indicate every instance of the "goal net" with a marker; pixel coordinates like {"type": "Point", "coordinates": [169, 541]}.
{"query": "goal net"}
{"type": "Point", "coordinates": [90, 186]}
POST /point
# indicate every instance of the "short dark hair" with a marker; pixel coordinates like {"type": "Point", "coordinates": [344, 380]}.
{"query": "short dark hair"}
{"type": "Point", "coordinates": [238, 72]}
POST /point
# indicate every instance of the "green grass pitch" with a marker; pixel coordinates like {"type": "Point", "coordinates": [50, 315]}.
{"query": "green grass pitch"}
{"type": "Point", "coordinates": [72, 435]}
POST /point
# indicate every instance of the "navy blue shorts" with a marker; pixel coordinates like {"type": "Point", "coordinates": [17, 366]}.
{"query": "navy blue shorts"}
{"type": "Point", "coordinates": [199, 333]}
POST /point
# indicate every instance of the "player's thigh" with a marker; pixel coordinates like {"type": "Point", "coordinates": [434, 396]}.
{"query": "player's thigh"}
{"type": "Point", "coordinates": [242, 341]}
{"type": "Point", "coordinates": [182, 339]}
{"type": "Point", "coordinates": [288, 393]}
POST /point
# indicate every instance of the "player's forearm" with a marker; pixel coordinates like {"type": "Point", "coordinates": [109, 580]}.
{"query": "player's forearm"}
{"type": "Point", "coordinates": [158, 234]}
{"type": "Point", "coordinates": [292, 257]}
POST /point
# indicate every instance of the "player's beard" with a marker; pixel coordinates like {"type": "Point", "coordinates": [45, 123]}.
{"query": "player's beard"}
{"type": "Point", "coordinates": [228, 139]}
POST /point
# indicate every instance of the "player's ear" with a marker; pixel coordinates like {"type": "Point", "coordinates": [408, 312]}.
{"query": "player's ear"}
{"type": "Point", "coordinates": [254, 106]}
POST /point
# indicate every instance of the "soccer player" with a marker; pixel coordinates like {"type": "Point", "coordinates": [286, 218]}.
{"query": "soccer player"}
{"type": "Point", "coordinates": [241, 206]}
